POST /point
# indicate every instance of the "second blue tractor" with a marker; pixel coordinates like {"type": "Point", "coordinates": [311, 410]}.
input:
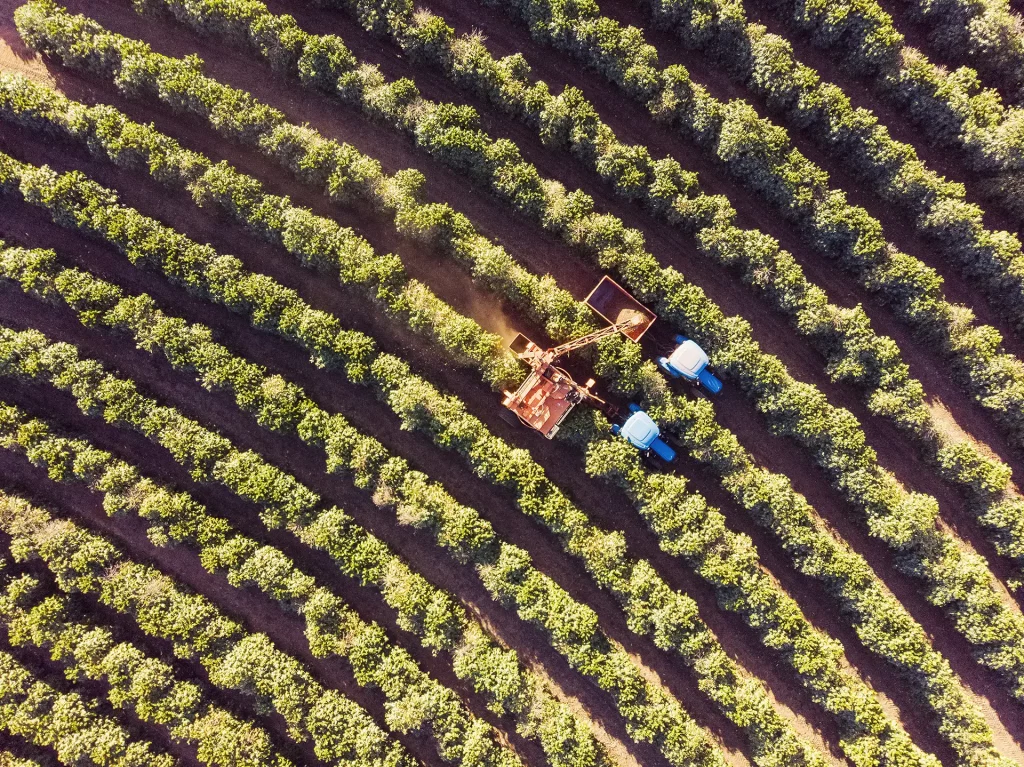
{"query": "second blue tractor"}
{"type": "Point", "coordinates": [642, 432]}
{"type": "Point", "coordinates": [690, 363]}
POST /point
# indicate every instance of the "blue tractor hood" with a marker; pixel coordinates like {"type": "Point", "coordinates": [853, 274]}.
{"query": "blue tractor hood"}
{"type": "Point", "coordinates": [688, 360]}
{"type": "Point", "coordinates": [640, 430]}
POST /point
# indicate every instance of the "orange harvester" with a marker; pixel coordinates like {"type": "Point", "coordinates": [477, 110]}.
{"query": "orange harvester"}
{"type": "Point", "coordinates": [548, 394]}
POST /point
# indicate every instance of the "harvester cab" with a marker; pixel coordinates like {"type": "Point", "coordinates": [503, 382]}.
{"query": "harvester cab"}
{"type": "Point", "coordinates": [549, 393]}
{"type": "Point", "coordinates": [690, 363]}
{"type": "Point", "coordinates": [643, 433]}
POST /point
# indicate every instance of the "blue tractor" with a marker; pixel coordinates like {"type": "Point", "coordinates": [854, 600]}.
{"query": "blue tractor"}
{"type": "Point", "coordinates": [643, 434]}
{"type": "Point", "coordinates": [690, 362]}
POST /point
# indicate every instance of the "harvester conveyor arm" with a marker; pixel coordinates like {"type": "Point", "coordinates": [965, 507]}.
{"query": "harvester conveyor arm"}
{"type": "Point", "coordinates": [597, 335]}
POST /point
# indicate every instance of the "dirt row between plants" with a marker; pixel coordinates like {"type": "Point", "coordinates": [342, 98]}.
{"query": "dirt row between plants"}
{"type": "Point", "coordinates": [22, 749]}
{"type": "Point", "coordinates": [358, 405]}
{"type": "Point", "coordinates": [69, 501]}
{"type": "Point", "coordinates": [39, 664]}
{"type": "Point", "coordinates": [489, 405]}
{"type": "Point", "coordinates": [733, 628]}
{"type": "Point", "coordinates": [539, 251]}
{"type": "Point", "coordinates": [85, 508]}
{"type": "Point", "coordinates": [505, 37]}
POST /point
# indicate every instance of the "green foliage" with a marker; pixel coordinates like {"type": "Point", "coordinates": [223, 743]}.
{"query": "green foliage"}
{"type": "Point", "coordinates": [68, 723]}
{"type": "Point", "coordinates": [604, 238]}
{"type": "Point", "coordinates": [248, 664]}
{"type": "Point", "coordinates": [342, 733]}
{"type": "Point", "coordinates": [983, 33]}
{"type": "Point", "coordinates": [846, 338]}
{"type": "Point", "coordinates": [567, 120]}
{"type": "Point", "coordinates": [950, 107]}
{"type": "Point", "coordinates": [494, 462]}
{"type": "Point", "coordinates": [147, 686]}
{"type": "Point", "coordinates": [792, 408]}
{"type": "Point", "coordinates": [7, 759]}
{"type": "Point", "coordinates": [422, 608]}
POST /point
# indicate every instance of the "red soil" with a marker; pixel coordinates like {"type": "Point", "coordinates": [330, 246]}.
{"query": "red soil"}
{"type": "Point", "coordinates": [543, 254]}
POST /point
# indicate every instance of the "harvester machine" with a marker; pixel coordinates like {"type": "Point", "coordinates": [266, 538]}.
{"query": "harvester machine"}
{"type": "Point", "coordinates": [549, 393]}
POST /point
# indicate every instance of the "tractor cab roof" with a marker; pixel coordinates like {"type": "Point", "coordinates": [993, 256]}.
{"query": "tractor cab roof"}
{"type": "Point", "coordinates": [689, 359]}
{"type": "Point", "coordinates": [640, 430]}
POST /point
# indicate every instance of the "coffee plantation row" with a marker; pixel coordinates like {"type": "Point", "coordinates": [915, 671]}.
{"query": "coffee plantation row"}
{"type": "Point", "coordinates": [182, 586]}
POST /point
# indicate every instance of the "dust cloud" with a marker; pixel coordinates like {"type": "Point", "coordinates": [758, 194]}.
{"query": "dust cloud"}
{"type": "Point", "coordinates": [489, 312]}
